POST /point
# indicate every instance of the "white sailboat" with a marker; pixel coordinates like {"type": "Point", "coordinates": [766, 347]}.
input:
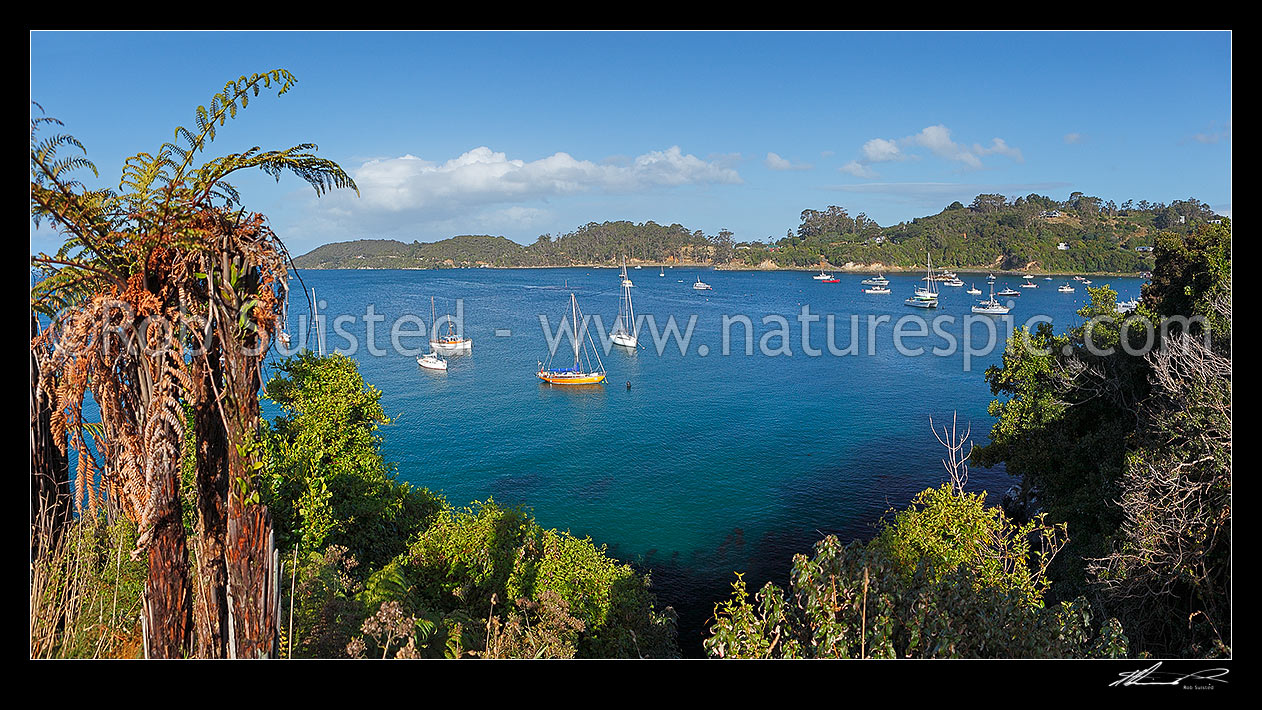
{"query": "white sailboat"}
{"type": "Point", "coordinates": [626, 282]}
{"type": "Point", "coordinates": [624, 333]}
{"type": "Point", "coordinates": [926, 296]}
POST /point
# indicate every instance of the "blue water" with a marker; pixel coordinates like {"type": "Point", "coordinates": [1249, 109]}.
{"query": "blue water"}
{"type": "Point", "coordinates": [707, 465]}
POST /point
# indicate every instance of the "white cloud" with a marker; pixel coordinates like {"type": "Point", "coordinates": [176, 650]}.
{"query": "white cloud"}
{"type": "Point", "coordinates": [485, 177]}
{"type": "Point", "coordinates": [775, 162]}
{"type": "Point", "coordinates": [858, 169]}
{"type": "Point", "coordinates": [998, 146]}
{"type": "Point", "coordinates": [937, 140]}
{"type": "Point", "coordinates": [879, 150]}
{"type": "Point", "coordinates": [481, 188]}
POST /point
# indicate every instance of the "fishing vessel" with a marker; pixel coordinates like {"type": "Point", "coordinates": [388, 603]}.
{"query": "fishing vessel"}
{"type": "Point", "coordinates": [973, 290]}
{"type": "Point", "coordinates": [822, 276]}
{"type": "Point", "coordinates": [701, 285]}
{"type": "Point", "coordinates": [451, 342]}
{"type": "Point", "coordinates": [624, 332]}
{"type": "Point", "coordinates": [991, 307]}
{"type": "Point", "coordinates": [432, 361]}
{"type": "Point", "coordinates": [579, 373]}
{"type": "Point", "coordinates": [926, 296]}
{"type": "Point", "coordinates": [1066, 288]}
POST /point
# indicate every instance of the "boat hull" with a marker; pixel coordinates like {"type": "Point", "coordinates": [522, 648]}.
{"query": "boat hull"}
{"type": "Point", "coordinates": [553, 378]}
{"type": "Point", "coordinates": [624, 339]}
{"type": "Point", "coordinates": [432, 364]}
{"type": "Point", "coordinates": [449, 347]}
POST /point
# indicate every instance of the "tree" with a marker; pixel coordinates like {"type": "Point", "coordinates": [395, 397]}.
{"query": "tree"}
{"type": "Point", "coordinates": [164, 296]}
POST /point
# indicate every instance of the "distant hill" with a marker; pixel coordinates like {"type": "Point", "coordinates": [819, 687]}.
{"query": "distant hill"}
{"type": "Point", "coordinates": [1080, 235]}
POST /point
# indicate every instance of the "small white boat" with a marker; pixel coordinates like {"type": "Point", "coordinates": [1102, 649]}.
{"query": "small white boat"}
{"type": "Point", "coordinates": [1047, 278]}
{"type": "Point", "coordinates": [878, 280]}
{"type": "Point", "coordinates": [451, 342]}
{"type": "Point", "coordinates": [661, 271]}
{"type": "Point", "coordinates": [1086, 282]}
{"type": "Point", "coordinates": [702, 286]}
{"type": "Point", "coordinates": [1066, 288]}
{"type": "Point", "coordinates": [973, 290]}
{"type": "Point", "coordinates": [822, 276]}
{"type": "Point", "coordinates": [990, 277]}
{"type": "Point", "coordinates": [432, 361]}
{"type": "Point", "coordinates": [1127, 306]}
{"type": "Point", "coordinates": [991, 307]}
{"type": "Point", "coordinates": [639, 267]}
{"type": "Point", "coordinates": [1029, 284]}
{"type": "Point", "coordinates": [953, 282]}
{"type": "Point", "coordinates": [876, 289]}
{"type": "Point", "coordinates": [1009, 292]}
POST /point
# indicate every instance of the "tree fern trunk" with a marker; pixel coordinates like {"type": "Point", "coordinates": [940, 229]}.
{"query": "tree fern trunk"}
{"type": "Point", "coordinates": [51, 496]}
{"type": "Point", "coordinates": [168, 594]}
{"type": "Point", "coordinates": [210, 609]}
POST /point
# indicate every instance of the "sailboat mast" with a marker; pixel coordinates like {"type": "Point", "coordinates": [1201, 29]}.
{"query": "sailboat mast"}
{"type": "Point", "coordinates": [574, 302]}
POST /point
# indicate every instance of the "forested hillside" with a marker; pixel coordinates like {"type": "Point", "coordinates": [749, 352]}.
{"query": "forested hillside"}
{"type": "Point", "coordinates": [1082, 234]}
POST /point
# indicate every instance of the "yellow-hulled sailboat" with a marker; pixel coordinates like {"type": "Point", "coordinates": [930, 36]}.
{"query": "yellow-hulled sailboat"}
{"type": "Point", "coordinates": [575, 375]}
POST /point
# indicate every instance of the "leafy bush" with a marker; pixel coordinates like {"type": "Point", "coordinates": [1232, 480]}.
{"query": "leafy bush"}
{"type": "Point", "coordinates": [469, 557]}
{"type": "Point", "coordinates": [329, 483]}
{"type": "Point", "coordinates": [947, 578]}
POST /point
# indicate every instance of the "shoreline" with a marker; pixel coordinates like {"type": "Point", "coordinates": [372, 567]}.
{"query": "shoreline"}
{"type": "Point", "coordinates": [856, 269]}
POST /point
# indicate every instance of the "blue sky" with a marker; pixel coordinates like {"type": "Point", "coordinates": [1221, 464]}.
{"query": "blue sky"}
{"type": "Point", "coordinates": [526, 133]}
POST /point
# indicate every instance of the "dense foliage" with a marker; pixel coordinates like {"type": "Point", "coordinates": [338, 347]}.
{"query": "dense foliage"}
{"type": "Point", "coordinates": [946, 578]}
{"type": "Point", "coordinates": [1131, 447]}
{"type": "Point", "coordinates": [328, 482]}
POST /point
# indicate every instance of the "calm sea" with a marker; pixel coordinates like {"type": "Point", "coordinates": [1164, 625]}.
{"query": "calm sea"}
{"type": "Point", "coordinates": [707, 464]}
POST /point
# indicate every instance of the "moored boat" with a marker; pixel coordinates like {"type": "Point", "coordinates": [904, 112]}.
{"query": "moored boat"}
{"type": "Point", "coordinates": [575, 374]}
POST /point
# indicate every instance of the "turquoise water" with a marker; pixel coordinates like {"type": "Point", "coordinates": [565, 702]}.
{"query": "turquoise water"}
{"type": "Point", "coordinates": [707, 465]}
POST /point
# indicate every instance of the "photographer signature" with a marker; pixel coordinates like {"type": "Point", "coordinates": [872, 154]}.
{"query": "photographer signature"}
{"type": "Point", "coordinates": [1150, 676]}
